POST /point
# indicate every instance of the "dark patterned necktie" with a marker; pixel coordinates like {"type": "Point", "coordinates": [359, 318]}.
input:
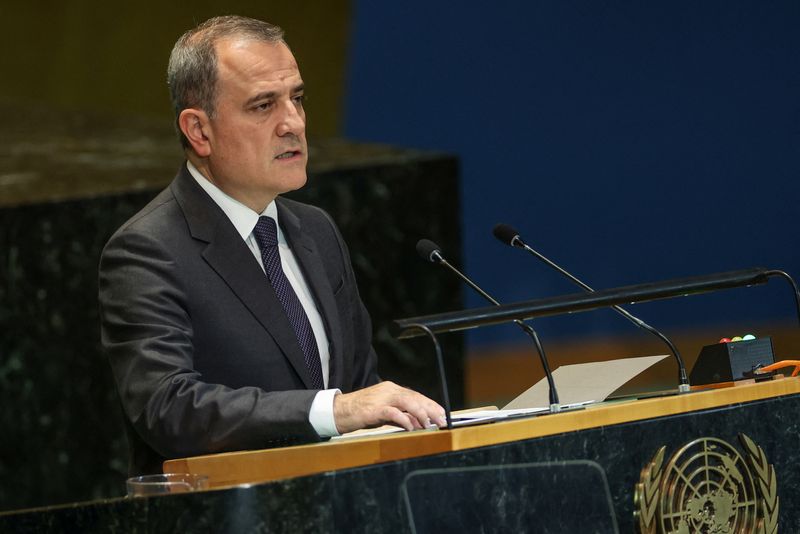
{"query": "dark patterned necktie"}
{"type": "Point", "coordinates": [266, 234]}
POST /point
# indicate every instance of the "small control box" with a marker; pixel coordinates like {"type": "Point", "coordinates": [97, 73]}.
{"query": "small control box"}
{"type": "Point", "coordinates": [728, 361]}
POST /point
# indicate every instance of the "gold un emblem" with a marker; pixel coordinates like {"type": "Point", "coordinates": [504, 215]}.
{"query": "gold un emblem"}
{"type": "Point", "coordinates": [707, 487]}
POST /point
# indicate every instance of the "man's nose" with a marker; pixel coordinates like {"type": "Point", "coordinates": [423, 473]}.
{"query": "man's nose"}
{"type": "Point", "coordinates": [292, 120]}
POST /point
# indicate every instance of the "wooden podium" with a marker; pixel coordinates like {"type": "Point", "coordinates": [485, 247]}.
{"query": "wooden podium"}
{"type": "Point", "coordinates": [363, 479]}
{"type": "Point", "coordinates": [251, 467]}
{"type": "Point", "coordinates": [516, 466]}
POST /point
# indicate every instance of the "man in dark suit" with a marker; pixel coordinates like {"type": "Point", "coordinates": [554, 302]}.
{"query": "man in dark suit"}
{"type": "Point", "coordinates": [230, 315]}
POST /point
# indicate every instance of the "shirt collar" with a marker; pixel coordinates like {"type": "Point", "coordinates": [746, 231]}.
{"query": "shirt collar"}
{"type": "Point", "coordinates": [243, 218]}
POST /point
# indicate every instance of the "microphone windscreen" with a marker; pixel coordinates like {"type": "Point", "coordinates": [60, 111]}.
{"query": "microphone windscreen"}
{"type": "Point", "coordinates": [426, 248]}
{"type": "Point", "coordinates": [505, 233]}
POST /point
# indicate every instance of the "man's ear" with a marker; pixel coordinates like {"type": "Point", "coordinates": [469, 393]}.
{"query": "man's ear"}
{"type": "Point", "coordinates": [196, 127]}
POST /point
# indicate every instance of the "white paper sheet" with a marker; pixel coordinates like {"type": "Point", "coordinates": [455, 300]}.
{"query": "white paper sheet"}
{"type": "Point", "coordinates": [584, 382]}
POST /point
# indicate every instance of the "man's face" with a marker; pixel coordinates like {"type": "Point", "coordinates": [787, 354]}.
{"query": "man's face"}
{"type": "Point", "coordinates": [257, 138]}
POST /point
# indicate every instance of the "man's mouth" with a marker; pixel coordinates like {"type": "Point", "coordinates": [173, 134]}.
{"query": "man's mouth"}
{"type": "Point", "coordinates": [287, 155]}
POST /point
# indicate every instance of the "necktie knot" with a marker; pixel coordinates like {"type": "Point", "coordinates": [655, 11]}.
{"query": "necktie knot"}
{"type": "Point", "coordinates": [266, 232]}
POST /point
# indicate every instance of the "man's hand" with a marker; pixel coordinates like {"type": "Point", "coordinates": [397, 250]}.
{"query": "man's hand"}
{"type": "Point", "coordinates": [385, 403]}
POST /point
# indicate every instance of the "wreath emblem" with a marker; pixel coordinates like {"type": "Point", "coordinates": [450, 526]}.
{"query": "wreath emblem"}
{"type": "Point", "coordinates": [708, 487]}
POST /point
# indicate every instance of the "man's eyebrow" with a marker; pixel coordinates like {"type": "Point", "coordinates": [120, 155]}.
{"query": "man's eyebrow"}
{"type": "Point", "coordinates": [266, 95]}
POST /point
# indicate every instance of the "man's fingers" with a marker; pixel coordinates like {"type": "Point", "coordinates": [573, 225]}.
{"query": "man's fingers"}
{"type": "Point", "coordinates": [412, 411]}
{"type": "Point", "coordinates": [393, 415]}
{"type": "Point", "coordinates": [419, 413]}
{"type": "Point", "coordinates": [386, 403]}
{"type": "Point", "coordinates": [424, 410]}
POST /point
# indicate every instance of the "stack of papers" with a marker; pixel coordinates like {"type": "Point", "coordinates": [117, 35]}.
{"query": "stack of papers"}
{"type": "Point", "coordinates": [578, 385]}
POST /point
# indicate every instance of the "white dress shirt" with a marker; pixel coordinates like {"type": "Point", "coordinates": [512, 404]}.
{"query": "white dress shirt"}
{"type": "Point", "coordinates": [244, 220]}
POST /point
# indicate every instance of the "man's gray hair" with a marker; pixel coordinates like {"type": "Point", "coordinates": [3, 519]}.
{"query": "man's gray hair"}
{"type": "Point", "coordinates": [192, 69]}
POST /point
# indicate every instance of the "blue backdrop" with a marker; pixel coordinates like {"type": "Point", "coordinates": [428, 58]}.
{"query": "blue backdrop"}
{"type": "Point", "coordinates": [630, 141]}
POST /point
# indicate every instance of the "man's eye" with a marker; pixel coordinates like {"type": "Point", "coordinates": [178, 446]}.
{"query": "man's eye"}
{"type": "Point", "coordinates": [263, 106]}
{"type": "Point", "coordinates": [299, 99]}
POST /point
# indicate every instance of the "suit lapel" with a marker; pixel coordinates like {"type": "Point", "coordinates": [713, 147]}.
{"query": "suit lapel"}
{"type": "Point", "coordinates": [233, 261]}
{"type": "Point", "coordinates": [311, 262]}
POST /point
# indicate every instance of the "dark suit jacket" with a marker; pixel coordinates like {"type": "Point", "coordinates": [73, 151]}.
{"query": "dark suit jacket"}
{"type": "Point", "coordinates": [204, 357]}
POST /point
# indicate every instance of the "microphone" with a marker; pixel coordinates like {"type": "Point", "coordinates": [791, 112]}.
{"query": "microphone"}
{"type": "Point", "coordinates": [508, 235]}
{"type": "Point", "coordinates": [430, 251]}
